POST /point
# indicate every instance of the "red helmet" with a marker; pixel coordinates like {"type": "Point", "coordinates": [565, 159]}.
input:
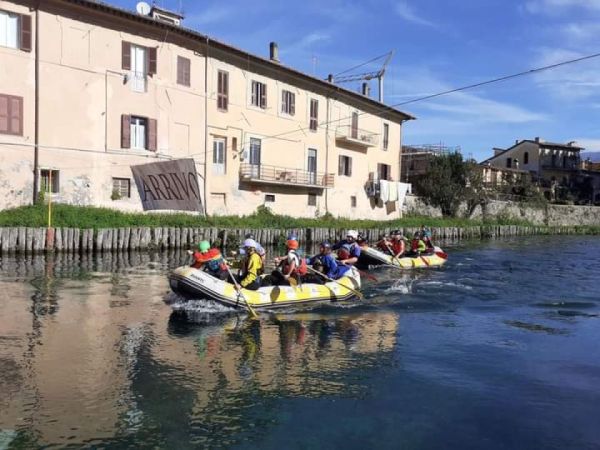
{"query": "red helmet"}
{"type": "Point", "coordinates": [292, 244]}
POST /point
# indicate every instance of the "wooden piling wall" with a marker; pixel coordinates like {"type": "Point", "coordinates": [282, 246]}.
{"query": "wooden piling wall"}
{"type": "Point", "coordinates": [69, 240]}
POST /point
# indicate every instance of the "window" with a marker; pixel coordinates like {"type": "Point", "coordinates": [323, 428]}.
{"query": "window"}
{"type": "Point", "coordinates": [312, 199]}
{"type": "Point", "coordinates": [269, 198]}
{"type": "Point", "coordinates": [121, 187]}
{"type": "Point", "coordinates": [508, 163]}
{"type": "Point", "coordinates": [259, 94]}
{"type": "Point", "coordinates": [15, 31]}
{"type": "Point", "coordinates": [384, 171]}
{"type": "Point", "coordinates": [183, 71]}
{"type": "Point", "coordinates": [526, 158]}
{"type": "Point", "coordinates": [49, 181]}
{"type": "Point", "coordinates": [288, 102]}
{"type": "Point", "coordinates": [386, 136]}
{"type": "Point", "coordinates": [353, 201]}
{"type": "Point", "coordinates": [219, 151]}
{"type": "Point", "coordinates": [222, 90]}
{"type": "Point", "coordinates": [141, 62]}
{"type": "Point", "coordinates": [311, 166]}
{"type": "Point", "coordinates": [139, 127]}
{"type": "Point", "coordinates": [314, 115]}
{"type": "Point", "coordinates": [139, 133]}
{"type": "Point", "coordinates": [345, 166]}
{"type": "Point", "coordinates": [11, 115]}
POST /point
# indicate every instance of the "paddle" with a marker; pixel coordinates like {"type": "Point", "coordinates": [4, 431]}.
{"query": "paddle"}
{"type": "Point", "coordinates": [354, 291]}
{"type": "Point", "coordinates": [240, 294]}
{"type": "Point", "coordinates": [369, 276]}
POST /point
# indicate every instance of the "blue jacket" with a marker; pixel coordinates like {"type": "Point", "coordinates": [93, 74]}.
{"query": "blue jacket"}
{"type": "Point", "coordinates": [333, 269]}
{"type": "Point", "coordinates": [353, 249]}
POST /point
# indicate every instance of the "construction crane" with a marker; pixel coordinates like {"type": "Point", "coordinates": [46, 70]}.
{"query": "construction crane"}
{"type": "Point", "coordinates": [366, 76]}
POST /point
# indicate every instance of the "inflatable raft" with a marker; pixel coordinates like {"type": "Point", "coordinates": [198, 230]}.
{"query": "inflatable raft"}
{"type": "Point", "coordinates": [370, 256]}
{"type": "Point", "coordinates": [197, 284]}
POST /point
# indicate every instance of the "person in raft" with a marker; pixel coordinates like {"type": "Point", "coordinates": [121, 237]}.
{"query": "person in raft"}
{"type": "Point", "coordinates": [325, 263]}
{"type": "Point", "coordinates": [397, 244]}
{"type": "Point", "coordinates": [384, 244]}
{"type": "Point", "coordinates": [251, 267]}
{"type": "Point", "coordinates": [417, 245]}
{"type": "Point", "coordinates": [362, 241]}
{"type": "Point", "coordinates": [210, 260]}
{"type": "Point", "coordinates": [259, 248]}
{"type": "Point", "coordinates": [426, 236]}
{"type": "Point", "coordinates": [290, 266]}
{"type": "Point", "coordinates": [351, 247]}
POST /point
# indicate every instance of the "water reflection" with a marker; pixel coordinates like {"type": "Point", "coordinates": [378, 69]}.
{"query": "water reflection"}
{"type": "Point", "coordinates": [91, 355]}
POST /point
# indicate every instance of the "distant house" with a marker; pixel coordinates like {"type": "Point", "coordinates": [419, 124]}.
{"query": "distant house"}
{"type": "Point", "coordinates": [415, 159]}
{"type": "Point", "coordinates": [557, 168]}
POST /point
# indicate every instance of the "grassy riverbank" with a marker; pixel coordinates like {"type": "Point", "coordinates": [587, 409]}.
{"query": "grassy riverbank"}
{"type": "Point", "coordinates": [91, 217]}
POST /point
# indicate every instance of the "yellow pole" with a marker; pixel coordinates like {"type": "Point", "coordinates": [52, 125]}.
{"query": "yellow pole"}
{"type": "Point", "coordinates": [49, 198]}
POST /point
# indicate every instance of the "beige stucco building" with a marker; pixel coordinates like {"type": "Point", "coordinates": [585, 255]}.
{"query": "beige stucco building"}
{"type": "Point", "coordinates": [97, 89]}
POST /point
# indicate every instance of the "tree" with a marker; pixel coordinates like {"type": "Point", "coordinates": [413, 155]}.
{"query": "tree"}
{"type": "Point", "coordinates": [445, 185]}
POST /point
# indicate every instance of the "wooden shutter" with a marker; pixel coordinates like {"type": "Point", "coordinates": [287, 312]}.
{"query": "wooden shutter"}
{"type": "Point", "coordinates": [151, 52]}
{"type": "Point", "coordinates": [183, 71]}
{"type": "Point", "coordinates": [4, 116]}
{"type": "Point", "coordinates": [125, 55]}
{"type": "Point", "coordinates": [292, 104]}
{"type": "Point", "coordinates": [125, 131]}
{"type": "Point", "coordinates": [152, 135]}
{"type": "Point", "coordinates": [349, 166]}
{"type": "Point", "coordinates": [26, 32]}
{"type": "Point", "coordinates": [222, 90]}
{"type": "Point", "coordinates": [314, 114]}
{"type": "Point", "coordinates": [340, 165]}
{"type": "Point", "coordinates": [263, 96]}
{"type": "Point", "coordinates": [16, 115]}
{"type": "Point", "coordinates": [187, 72]}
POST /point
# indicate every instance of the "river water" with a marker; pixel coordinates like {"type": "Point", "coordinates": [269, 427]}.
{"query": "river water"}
{"type": "Point", "coordinates": [498, 350]}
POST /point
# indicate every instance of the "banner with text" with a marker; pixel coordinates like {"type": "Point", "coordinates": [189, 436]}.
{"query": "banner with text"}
{"type": "Point", "coordinates": [168, 185]}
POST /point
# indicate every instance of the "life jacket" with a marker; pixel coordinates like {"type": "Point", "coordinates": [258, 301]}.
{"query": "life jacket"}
{"type": "Point", "coordinates": [301, 266]}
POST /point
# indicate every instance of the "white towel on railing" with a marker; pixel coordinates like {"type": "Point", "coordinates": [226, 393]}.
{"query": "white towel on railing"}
{"type": "Point", "coordinates": [384, 191]}
{"type": "Point", "coordinates": [402, 189]}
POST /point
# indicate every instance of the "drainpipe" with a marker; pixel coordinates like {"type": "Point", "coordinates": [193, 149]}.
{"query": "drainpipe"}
{"type": "Point", "coordinates": [327, 154]}
{"type": "Point", "coordinates": [206, 128]}
{"type": "Point", "coordinates": [36, 163]}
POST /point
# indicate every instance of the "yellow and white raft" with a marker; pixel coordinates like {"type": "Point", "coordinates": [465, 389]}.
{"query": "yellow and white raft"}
{"type": "Point", "coordinates": [372, 256]}
{"type": "Point", "coordinates": [197, 284]}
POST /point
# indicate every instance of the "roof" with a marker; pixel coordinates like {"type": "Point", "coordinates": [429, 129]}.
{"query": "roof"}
{"type": "Point", "coordinates": [130, 15]}
{"type": "Point", "coordinates": [544, 144]}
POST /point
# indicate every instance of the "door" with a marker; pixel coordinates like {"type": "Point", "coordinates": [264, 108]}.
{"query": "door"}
{"type": "Point", "coordinates": [311, 166]}
{"type": "Point", "coordinates": [138, 68]}
{"type": "Point", "coordinates": [354, 130]}
{"type": "Point", "coordinates": [219, 156]}
{"type": "Point", "coordinates": [254, 158]}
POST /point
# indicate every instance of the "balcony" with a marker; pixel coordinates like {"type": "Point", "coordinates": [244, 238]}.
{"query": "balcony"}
{"type": "Point", "coordinates": [356, 136]}
{"type": "Point", "coordinates": [274, 175]}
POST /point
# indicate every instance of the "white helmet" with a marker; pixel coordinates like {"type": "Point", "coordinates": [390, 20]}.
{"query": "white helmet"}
{"type": "Point", "coordinates": [250, 243]}
{"type": "Point", "coordinates": [352, 233]}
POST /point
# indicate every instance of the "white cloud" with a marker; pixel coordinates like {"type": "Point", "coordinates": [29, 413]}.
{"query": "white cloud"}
{"type": "Point", "coordinates": [572, 82]}
{"type": "Point", "coordinates": [406, 12]}
{"type": "Point", "coordinates": [557, 6]}
{"type": "Point", "coordinates": [590, 144]}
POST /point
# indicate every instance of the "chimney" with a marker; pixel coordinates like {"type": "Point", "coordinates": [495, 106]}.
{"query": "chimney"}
{"type": "Point", "coordinates": [366, 90]}
{"type": "Point", "coordinates": [517, 142]}
{"type": "Point", "coordinates": [330, 78]}
{"type": "Point", "coordinates": [537, 139]}
{"type": "Point", "coordinates": [274, 51]}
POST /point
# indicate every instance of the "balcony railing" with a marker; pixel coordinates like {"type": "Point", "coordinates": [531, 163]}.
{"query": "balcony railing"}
{"type": "Point", "coordinates": [261, 173]}
{"type": "Point", "coordinates": [356, 136]}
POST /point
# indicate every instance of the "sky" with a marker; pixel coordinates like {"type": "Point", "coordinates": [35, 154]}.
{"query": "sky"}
{"type": "Point", "coordinates": [438, 45]}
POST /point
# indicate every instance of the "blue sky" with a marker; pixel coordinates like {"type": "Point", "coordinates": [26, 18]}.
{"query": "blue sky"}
{"type": "Point", "coordinates": [438, 45]}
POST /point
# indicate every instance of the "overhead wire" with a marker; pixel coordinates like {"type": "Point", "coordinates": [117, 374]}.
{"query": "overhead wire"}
{"type": "Point", "coordinates": [392, 108]}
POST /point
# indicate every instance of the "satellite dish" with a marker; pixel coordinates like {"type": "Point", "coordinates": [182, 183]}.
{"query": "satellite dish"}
{"type": "Point", "coordinates": [143, 8]}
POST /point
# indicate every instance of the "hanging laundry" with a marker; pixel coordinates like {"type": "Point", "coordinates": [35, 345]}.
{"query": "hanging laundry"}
{"type": "Point", "coordinates": [393, 196]}
{"type": "Point", "coordinates": [384, 191]}
{"type": "Point", "coordinates": [402, 189]}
